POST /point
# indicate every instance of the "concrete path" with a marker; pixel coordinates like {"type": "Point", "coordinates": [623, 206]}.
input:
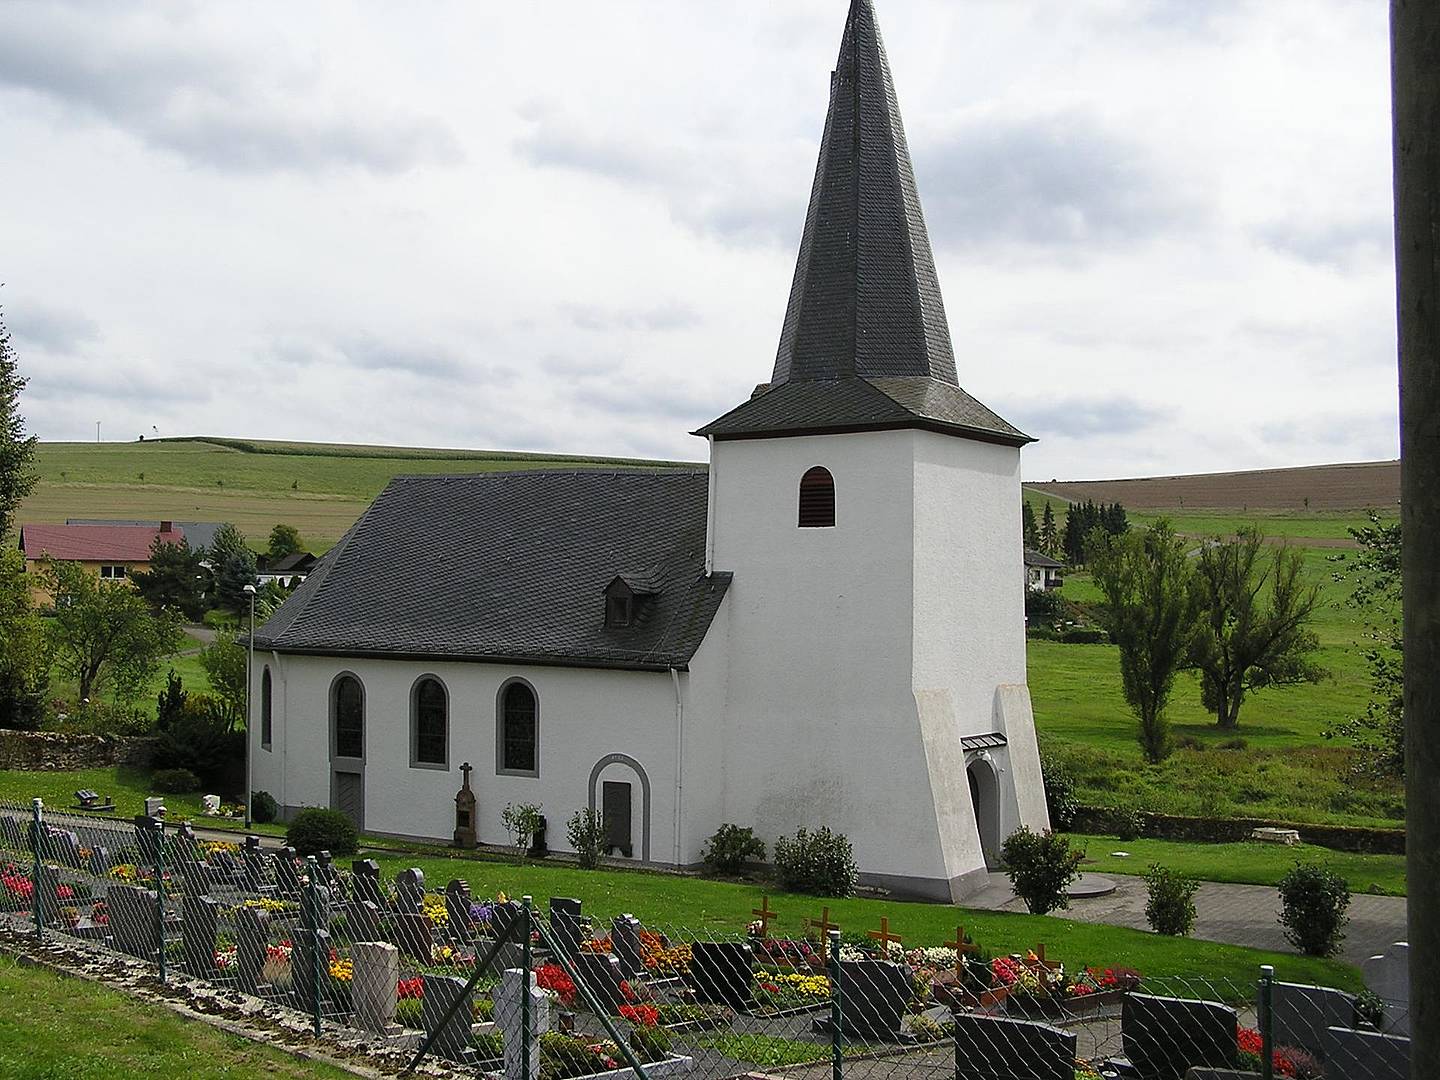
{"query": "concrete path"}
{"type": "Point", "coordinates": [1234, 914]}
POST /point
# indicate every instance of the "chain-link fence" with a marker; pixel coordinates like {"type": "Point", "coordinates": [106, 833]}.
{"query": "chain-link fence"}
{"type": "Point", "coordinates": [440, 970]}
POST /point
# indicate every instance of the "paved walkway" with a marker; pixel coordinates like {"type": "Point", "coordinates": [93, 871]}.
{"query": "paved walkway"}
{"type": "Point", "coordinates": [1234, 914]}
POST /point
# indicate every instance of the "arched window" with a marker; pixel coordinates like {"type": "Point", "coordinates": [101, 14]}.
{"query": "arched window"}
{"type": "Point", "coordinates": [429, 723]}
{"type": "Point", "coordinates": [817, 499]}
{"type": "Point", "coordinates": [517, 731]}
{"type": "Point", "coordinates": [266, 713]}
{"type": "Point", "coordinates": [347, 708]}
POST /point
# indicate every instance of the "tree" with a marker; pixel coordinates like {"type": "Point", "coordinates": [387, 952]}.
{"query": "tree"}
{"type": "Point", "coordinates": [224, 662]}
{"type": "Point", "coordinates": [1243, 642]}
{"type": "Point", "coordinates": [103, 632]}
{"type": "Point", "coordinates": [1374, 576]}
{"type": "Point", "coordinates": [17, 450]}
{"type": "Point", "coordinates": [284, 540]}
{"type": "Point", "coordinates": [24, 651]}
{"type": "Point", "coordinates": [233, 564]}
{"type": "Point", "coordinates": [1049, 537]}
{"type": "Point", "coordinates": [176, 579]}
{"type": "Point", "coordinates": [1149, 612]}
{"type": "Point", "coordinates": [1029, 529]}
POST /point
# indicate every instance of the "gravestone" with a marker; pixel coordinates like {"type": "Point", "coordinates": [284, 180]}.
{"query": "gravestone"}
{"type": "Point", "coordinates": [310, 973]}
{"type": "Point", "coordinates": [504, 921]}
{"type": "Point", "coordinates": [465, 810]}
{"type": "Point", "coordinates": [287, 877]}
{"type": "Point", "coordinates": [187, 845]}
{"type": "Point", "coordinates": [998, 1048]}
{"type": "Point", "coordinates": [509, 996]}
{"type": "Point", "coordinates": [134, 915]}
{"type": "Point", "coordinates": [1388, 976]}
{"type": "Point", "coordinates": [226, 867]}
{"type": "Point", "coordinates": [1301, 1014]}
{"type": "Point", "coordinates": [373, 983]}
{"type": "Point", "coordinates": [199, 920]}
{"type": "Point", "coordinates": [325, 871]}
{"type": "Point", "coordinates": [365, 882]}
{"type": "Point", "coordinates": [601, 974]}
{"type": "Point", "coordinates": [875, 994]}
{"type": "Point", "coordinates": [409, 890]}
{"type": "Point", "coordinates": [457, 906]}
{"type": "Point", "coordinates": [252, 935]}
{"type": "Point", "coordinates": [414, 934]}
{"type": "Point", "coordinates": [1164, 1036]}
{"type": "Point", "coordinates": [365, 921]}
{"type": "Point", "coordinates": [63, 846]}
{"type": "Point", "coordinates": [194, 878]}
{"type": "Point", "coordinates": [625, 941]}
{"type": "Point", "coordinates": [1366, 1055]}
{"type": "Point", "coordinates": [721, 973]}
{"type": "Point", "coordinates": [13, 833]}
{"type": "Point", "coordinates": [45, 898]}
{"type": "Point", "coordinates": [565, 925]}
{"type": "Point", "coordinates": [453, 1038]}
{"type": "Point", "coordinates": [147, 839]}
{"type": "Point", "coordinates": [99, 865]}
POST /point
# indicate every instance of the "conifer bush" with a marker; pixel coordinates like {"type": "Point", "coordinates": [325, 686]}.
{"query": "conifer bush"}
{"type": "Point", "coordinates": [1313, 899]}
{"type": "Point", "coordinates": [1170, 906]}
{"type": "Point", "coordinates": [1040, 867]}
{"type": "Point", "coordinates": [316, 829]}
{"type": "Point", "coordinates": [821, 863]}
{"type": "Point", "coordinates": [732, 848]}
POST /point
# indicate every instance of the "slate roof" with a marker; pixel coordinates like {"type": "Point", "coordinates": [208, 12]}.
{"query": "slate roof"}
{"type": "Point", "coordinates": [94, 543]}
{"type": "Point", "coordinates": [865, 343]}
{"type": "Point", "coordinates": [512, 567]}
{"type": "Point", "coordinates": [1041, 561]}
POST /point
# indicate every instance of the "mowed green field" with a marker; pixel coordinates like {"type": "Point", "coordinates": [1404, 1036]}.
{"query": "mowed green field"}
{"type": "Point", "coordinates": [1286, 769]}
{"type": "Point", "coordinates": [319, 488]}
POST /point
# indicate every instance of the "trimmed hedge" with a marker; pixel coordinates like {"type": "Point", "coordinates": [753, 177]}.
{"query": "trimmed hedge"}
{"type": "Point", "coordinates": [1355, 838]}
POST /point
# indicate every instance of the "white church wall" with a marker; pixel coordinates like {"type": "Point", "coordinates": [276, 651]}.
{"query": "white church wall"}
{"type": "Point", "coordinates": [705, 687]}
{"type": "Point", "coordinates": [585, 716]}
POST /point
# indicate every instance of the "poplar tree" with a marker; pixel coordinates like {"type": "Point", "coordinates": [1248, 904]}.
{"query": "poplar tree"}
{"type": "Point", "coordinates": [17, 450]}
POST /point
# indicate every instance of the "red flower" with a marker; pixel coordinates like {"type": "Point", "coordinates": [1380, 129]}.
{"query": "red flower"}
{"type": "Point", "coordinates": [410, 988]}
{"type": "Point", "coordinates": [1249, 1040]}
{"type": "Point", "coordinates": [552, 977]}
{"type": "Point", "coordinates": [645, 1015]}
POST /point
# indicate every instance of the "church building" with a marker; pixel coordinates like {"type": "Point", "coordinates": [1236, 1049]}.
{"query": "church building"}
{"type": "Point", "coordinates": [826, 627]}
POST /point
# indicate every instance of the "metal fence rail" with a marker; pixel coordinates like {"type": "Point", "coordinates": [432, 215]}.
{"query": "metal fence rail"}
{"type": "Point", "coordinates": [558, 992]}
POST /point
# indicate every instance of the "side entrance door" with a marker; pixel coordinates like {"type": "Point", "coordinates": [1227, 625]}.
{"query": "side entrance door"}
{"type": "Point", "coordinates": [615, 806]}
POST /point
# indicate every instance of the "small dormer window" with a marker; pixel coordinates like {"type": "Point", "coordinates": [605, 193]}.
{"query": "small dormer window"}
{"type": "Point", "coordinates": [817, 499]}
{"type": "Point", "coordinates": [619, 610]}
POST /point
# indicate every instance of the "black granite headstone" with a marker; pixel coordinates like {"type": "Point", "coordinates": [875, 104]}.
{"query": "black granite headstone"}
{"type": "Point", "coordinates": [134, 916]}
{"type": "Point", "coordinates": [366, 882]}
{"type": "Point", "coordinates": [199, 921]}
{"type": "Point", "coordinates": [100, 862]}
{"type": "Point", "coordinates": [601, 974]}
{"type": "Point", "coordinates": [409, 890]}
{"type": "Point", "coordinates": [306, 968]}
{"type": "Point", "coordinates": [874, 995]}
{"type": "Point", "coordinates": [997, 1048]}
{"type": "Point", "coordinates": [625, 941]}
{"type": "Point", "coordinates": [252, 936]}
{"type": "Point", "coordinates": [722, 972]}
{"type": "Point", "coordinates": [287, 877]}
{"type": "Point", "coordinates": [46, 895]}
{"type": "Point", "coordinates": [365, 921]}
{"type": "Point", "coordinates": [1164, 1036]}
{"type": "Point", "coordinates": [454, 1039]}
{"type": "Point", "coordinates": [457, 908]}
{"type": "Point", "coordinates": [565, 925]}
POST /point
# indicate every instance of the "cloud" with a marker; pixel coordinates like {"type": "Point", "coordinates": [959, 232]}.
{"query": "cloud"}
{"type": "Point", "coordinates": [1371, 434]}
{"type": "Point", "coordinates": [1340, 244]}
{"type": "Point", "coordinates": [1078, 418]}
{"type": "Point", "coordinates": [368, 353]}
{"type": "Point", "coordinates": [1048, 181]}
{"type": "Point", "coordinates": [560, 144]}
{"type": "Point", "coordinates": [169, 86]}
{"type": "Point", "coordinates": [144, 384]}
{"type": "Point", "coordinates": [669, 316]}
{"type": "Point", "coordinates": [52, 330]}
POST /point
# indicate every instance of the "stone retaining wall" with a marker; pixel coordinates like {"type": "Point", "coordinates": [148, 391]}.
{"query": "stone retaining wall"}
{"type": "Point", "coordinates": [59, 751]}
{"type": "Point", "coordinates": [1099, 819]}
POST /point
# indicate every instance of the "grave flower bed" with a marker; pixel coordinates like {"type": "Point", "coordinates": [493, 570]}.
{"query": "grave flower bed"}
{"type": "Point", "coordinates": [1286, 1060]}
{"type": "Point", "coordinates": [783, 993]}
{"type": "Point", "coordinates": [552, 977]}
{"type": "Point", "coordinates": [693, 1017]}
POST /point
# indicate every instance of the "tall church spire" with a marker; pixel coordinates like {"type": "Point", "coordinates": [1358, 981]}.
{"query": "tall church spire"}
{"type": "Point", "coordinates": [865, 299]}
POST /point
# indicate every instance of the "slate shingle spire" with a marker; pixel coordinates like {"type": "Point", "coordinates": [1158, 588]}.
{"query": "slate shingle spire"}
{"type": "Point", "coordinates": [865, 345]}
{"type": "Point", "coordinates": [865, 299]}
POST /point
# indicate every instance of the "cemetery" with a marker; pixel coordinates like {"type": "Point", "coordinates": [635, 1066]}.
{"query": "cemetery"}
{"type": "Point", "coordinates": [499, 985]}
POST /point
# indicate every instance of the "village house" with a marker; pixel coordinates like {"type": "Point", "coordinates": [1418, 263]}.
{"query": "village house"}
{"type": "Point", "coordinates": [111, 552]}
{"type": "Point", "coordinates": [825, 627]}
{"type": "Point", "coordinates": [1042, 573]}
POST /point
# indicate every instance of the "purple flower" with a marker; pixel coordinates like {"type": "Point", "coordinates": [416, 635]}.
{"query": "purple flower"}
{"type": "Point", "coordinates": [481, 913]}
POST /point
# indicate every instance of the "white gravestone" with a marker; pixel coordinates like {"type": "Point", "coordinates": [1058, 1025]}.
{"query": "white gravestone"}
{"type": "Point", "coordinates": [508, 1018]}
{"type": "Point", "coordinates": [211, 803]}
{"type": "Point", "coordinates": [373, 985]}
{"type": "Point", "coordinates": [1388, 976]}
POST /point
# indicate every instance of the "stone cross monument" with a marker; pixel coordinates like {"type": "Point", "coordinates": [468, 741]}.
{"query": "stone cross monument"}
{"type": "Point", "coordinates": [465, 810]}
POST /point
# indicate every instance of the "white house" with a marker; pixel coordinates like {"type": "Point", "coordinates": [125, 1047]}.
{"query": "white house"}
{"type": "Point", "coordinates": [826, 627]}
{"type": "Point", "coordinates": [1042, 573]}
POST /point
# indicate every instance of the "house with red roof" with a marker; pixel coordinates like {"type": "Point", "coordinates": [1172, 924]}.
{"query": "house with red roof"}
{"type": "Point", "coordinates": [111, 552]}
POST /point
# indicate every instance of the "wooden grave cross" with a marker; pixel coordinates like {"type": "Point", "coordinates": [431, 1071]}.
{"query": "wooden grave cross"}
{"type": "Point", "coordinates": [884, 936]}
{"type": "Point", "coordinates": [961, 947]}
{"type": "Point", "coordinates": [766, 914]}
{"type": "Point", "coordinates": [1043, 967]}
{"type": "Point", "coordinates": [823, 924]}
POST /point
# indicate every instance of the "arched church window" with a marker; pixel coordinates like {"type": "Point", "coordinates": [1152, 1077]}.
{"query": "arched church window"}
{"type": "Point", "coordinates": [347, 709]}
{"type": "Point", "coordinates": [266, 709]}
{"type": "Point", "coordinates": [429, 723]}
{"type": "Point", "coordinates": [518, 730]}
{"type": "Point", "coordinates": [817, 499]}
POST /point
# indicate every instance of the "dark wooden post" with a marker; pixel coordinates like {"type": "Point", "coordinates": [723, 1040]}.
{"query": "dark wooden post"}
{"type": "Point", "coordinates": [1415, 84]}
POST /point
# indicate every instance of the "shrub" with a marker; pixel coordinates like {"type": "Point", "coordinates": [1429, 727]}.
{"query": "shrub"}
{"type": "Point", "coordinates": [175, 782]}
{"type": "Point", "coordinates": [731, 848]}
{"type": "Point", "coordinates": [1232, 744]}
{"type": "Point", "coordinates": [586, 831]}
{"type": "Point", "coordinates": [317, 829]}
{"type": "Point", "coordinates": [1170, 908]}
{"type": "Point", "coordinates": [1369, 1009]}
{"type": "Point", "coordinates": [263, 807]}
{"type": "Point", "coordinates": [650, 1044]}
{"type": "Point", "coordinates": [1128, 823]}
{"type": "Point", "coordinates": [1313, 899]}
{"type": "Point", "coordinates": [170, 702]}
{"type": "Point", "coordinates": [1040, 867]}
{"type": "Point", "coordinates": [1040, 604]}
{"type": "Point", "coordinates": [1083, 635]}
{"type": "Point", "coordinates": [522, 821]}
{"type": "Point", "coordinates": [821, 863]}
{"type": "Point", "coordinates": [1059, 793]}
{"type": "Point", "coordinates": [203, 741]}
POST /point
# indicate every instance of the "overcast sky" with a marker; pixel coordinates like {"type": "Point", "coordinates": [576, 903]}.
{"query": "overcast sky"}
{"type": "Point", "coordinates": [1162, 228]}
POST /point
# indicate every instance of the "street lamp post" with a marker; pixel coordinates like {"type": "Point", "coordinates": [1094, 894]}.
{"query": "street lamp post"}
{"type": "Point", "coordinates": [249, 710]}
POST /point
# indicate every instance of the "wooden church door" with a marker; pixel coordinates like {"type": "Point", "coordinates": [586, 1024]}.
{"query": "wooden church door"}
{"type": "Point", "coordinates": [615, 806]}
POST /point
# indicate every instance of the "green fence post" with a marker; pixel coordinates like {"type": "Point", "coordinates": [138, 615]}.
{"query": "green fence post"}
{"type": "Point", "coordinates": [525, 1021]}
{"type": "Point", "coordinates": [37, 824]}
{"type": "Point", "coordinates": [837, 1045]}
{"type": "Point", "coordinates": [1266, 1019]}
{"type": "Point", "coordinates": [160, 895]}
{"type": "Point", "coordinates": [319, 965]}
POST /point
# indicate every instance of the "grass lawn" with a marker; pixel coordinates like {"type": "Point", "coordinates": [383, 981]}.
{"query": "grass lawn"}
{"type": "Point", "coordinates": [56, 1028]}
{"type": "Point", "coordinates": [688, 908]}
{"type": "Point", "coordinates": [1248, 864]}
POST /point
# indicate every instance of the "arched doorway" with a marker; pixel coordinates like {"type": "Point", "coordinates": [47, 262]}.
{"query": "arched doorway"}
{"type": "Point", "coordinates": [985, 799]}
{"type": "Point", "coordinates": [617, 806]}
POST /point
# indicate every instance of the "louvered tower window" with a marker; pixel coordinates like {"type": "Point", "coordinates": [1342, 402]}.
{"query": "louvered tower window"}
{"type": "Point", "coordinates": [817, 499]}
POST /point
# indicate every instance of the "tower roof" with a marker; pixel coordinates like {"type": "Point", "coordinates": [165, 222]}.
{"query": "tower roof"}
{"type": "Point", "coordinates": [865, 304]}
